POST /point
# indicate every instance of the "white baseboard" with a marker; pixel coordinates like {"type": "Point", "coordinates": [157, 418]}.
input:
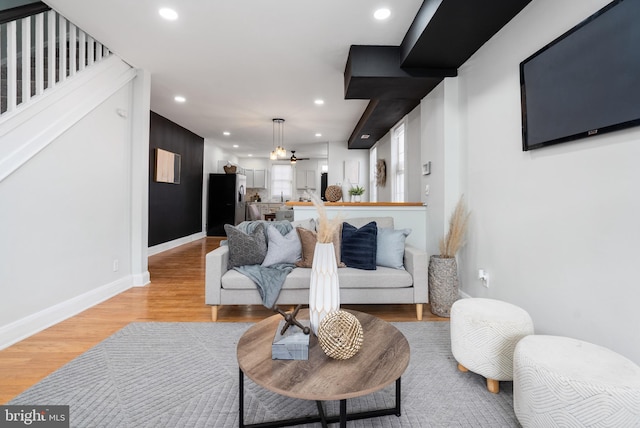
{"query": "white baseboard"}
{"type": "Point", "coordinates": [156, 249]}
{"type": "Point", "coordinates": [32, 324]}
{"type": "Point", "coordinates": [140, 280]}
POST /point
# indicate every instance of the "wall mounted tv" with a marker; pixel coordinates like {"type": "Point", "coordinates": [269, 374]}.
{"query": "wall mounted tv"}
{"type": "Point", "coordinates": [586, 82]}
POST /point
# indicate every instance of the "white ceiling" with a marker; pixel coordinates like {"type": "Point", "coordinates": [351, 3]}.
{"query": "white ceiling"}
{"type": "Point", "coordinates": [240, 63]}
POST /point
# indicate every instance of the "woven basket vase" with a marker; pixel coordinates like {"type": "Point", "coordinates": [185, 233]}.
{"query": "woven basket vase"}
{"type": "Point", "coordinates": [443, 284]}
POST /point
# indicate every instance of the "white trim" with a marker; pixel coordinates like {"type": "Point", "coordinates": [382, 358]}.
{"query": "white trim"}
{"type": "Point", "coordinates": [32, 126]}
{"type": "Point", "coordinates": [156, 249]}
{"type": "Point", "coordinates": [142, 279]}
{"type": "Point", "coordinates": [34, 323]}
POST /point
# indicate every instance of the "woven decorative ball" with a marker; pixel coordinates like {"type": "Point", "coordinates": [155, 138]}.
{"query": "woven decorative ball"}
{"type": "Point", "coordinates": [340, 335]}
{"type": "Point", "coordinates": [333, 193]}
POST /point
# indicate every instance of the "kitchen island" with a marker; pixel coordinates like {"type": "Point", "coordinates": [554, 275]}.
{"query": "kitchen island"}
{"type": "Point", "coordinates": [412, 215]}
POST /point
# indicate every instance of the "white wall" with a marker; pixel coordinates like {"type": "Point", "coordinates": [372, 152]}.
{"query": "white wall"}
{"type": "Point", "coordinates": [383, 151]}
{"type": "Point", "coordinates": [414, 187]}
{"type": "Point", "coordinates": [66, 217]}
{"type": "Point", "coordinates": [338, 153]}
{"type": "Point", "coordinates": [556, 228]}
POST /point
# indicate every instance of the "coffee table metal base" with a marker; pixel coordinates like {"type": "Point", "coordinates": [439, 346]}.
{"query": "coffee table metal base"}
{"type": "Point", "coordinates": [343, 417]}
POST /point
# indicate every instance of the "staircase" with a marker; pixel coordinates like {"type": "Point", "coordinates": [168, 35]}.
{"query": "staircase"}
{"type": "Point", "coordinates": [39, 52]}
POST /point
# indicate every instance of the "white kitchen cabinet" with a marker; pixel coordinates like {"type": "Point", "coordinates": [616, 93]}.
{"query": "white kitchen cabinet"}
{"type": "Point", "coordinates": [250, 178]}
{"type": "Point", "coordinates": [305, 179]}
{"type": "Point", "coordinates": [256, 178]}
{"type": "Point", "coordinates": [260, 179]}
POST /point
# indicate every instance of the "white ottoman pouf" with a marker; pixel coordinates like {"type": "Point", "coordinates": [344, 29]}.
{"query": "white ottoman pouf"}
{"type": "Point", "coordinates": [484, 333]}
{"type": "Point", "coordinates": [565, 382]}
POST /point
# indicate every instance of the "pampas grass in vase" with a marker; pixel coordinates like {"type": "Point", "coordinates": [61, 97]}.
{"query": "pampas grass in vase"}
{"type": "Point", "coordinates": [324, 288]}
{"type": "Point", "coordinates": [454, 239]}
{"type": "Point", "coordinates": [443, 270]}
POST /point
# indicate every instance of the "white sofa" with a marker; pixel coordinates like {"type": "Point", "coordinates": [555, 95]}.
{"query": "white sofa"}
{"type": "Point", "coordinates": [381, 286]}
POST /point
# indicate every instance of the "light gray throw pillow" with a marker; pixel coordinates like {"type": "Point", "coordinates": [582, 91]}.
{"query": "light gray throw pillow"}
{"type": "Point", "coordinates": [282, 249]}
{"type": "Point", "coordinates": [390, 251]}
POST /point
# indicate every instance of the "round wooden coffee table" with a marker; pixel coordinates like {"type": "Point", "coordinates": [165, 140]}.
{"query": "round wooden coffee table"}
{"type": "Point", "coordinates": [383, 358]}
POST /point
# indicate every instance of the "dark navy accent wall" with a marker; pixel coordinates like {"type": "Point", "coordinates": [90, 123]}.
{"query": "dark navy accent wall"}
{"type": "Point", "coordinates": [175, 210]}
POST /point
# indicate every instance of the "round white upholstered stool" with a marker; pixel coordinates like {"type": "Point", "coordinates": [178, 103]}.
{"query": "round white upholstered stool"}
{"type": "Point", "coordinates": [565, 382]}
{"type": "Point", "coordinates": [484, 333]}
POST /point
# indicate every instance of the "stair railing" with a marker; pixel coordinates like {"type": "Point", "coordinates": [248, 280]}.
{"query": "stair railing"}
{"type": "Point", "coordinates": [40, 52]}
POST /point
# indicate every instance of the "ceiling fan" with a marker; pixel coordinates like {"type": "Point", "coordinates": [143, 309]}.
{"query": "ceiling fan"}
{"type": "Point", "coordinates": [294, 158]}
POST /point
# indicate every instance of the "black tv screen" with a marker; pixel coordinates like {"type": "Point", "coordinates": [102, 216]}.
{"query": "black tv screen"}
{"type": "Point", "coordinates": [586, 82]}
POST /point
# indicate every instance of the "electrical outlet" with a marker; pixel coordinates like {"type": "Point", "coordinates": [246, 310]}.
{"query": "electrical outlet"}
{"type": "Point", "coordinates": [483, 276]}
{"type": "Point", "coordinates": [115, 265]}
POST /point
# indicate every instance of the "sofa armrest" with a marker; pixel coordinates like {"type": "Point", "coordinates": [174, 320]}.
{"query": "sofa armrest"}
{"type": "Point", "coordinates": [416, 262]}
{"type": "Point", "coordinates": [216, 266]}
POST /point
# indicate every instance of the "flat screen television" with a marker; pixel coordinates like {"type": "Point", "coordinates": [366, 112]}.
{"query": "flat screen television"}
{"type": "Point", "coordinates": [586, 82]}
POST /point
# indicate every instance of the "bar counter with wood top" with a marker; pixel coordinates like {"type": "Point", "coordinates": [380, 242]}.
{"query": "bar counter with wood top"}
{"type": "Point", "coordinates": [412, 215]}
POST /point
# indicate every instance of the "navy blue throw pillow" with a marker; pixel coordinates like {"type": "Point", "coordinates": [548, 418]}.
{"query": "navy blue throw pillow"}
{"type": "Point", "coordinates": [359, 246]}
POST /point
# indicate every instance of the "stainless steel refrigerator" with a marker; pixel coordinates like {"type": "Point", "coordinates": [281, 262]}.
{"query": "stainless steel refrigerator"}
{"type": "Point", "coordinates": [226, 202]}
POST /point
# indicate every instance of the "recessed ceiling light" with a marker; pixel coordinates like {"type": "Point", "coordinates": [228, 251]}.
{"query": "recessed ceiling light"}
{"type": "Point", "coordinates": [235, 146]}
{"type": "Point", "coordinates": [168, 14]}
{"type": "Point", "coordinates": [227, 133]}
{"type": "Point", "coordinates": [381, 14]}
{"type": "Point", "coordinates": [179, 99]}
{"type": "Point", "coordinates": [250, 155]}
{"type": "Point", "coordinates": [318, 134]}
{"type": "Point", "coordinates": [364, 136]}
{"type": "Point", "coordinates": [319, 102]}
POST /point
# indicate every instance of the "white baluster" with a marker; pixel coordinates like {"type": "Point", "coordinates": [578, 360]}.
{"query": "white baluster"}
{"type": "Point", "coordinates": [98, 51]}
{"type": "Point", "coordinates": [39, 45]}
{"type": "Point", "coordinates": [51, 49]}
{"type": "Point", "coordinates": [62, 48]}
{"type": "Point", "coordinates": [83, 50]}
{"type": "Point", "coordinates": [73, 49]}
{"type": "Point", "coordinates": [90, 51]}
{"type": "Point", "coordinates": [12, 65]}
{"type": "Point", "coordinates": [26, 59]}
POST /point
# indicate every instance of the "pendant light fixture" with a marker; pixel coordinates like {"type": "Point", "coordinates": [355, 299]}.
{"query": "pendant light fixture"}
{"type": "Point", "coordinates": [278, 138]}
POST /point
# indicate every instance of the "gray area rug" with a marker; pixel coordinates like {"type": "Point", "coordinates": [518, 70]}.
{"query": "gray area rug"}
{"type": "Point", "coordinates": [186, 375]}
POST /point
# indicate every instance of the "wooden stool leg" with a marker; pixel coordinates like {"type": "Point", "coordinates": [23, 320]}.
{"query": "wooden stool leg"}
{"type": "Point", "coordinates": [462, 368]}
{"type": "Point", "coordinates": [493, 385]}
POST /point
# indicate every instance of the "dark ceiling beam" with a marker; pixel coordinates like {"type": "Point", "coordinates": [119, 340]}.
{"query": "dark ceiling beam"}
{"type": "Point", "coordinates": [445, 33]}
{"type": "Point", "coordinates": [377, 119]}
{"type": "Point", "coordinates": [443, 36]}
{"type": "Point", "coordinates": [374, 72]}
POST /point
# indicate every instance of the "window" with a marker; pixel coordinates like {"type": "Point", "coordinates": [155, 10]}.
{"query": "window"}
{"type": "Point", "coordinates": [397, 163]}
{"type": "Point", "coordinates": [373, 162]}
{"type": "Point", "coordinates": [281, 182]}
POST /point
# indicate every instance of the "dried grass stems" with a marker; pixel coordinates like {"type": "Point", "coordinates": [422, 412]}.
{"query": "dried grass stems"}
{"type": "Point", "coordinates": [327, 228]}
{"type": "Point", "coordinates": [454, 239]}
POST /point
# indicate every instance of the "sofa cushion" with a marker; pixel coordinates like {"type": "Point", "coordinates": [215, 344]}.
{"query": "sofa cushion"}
{"type": "Point", "coordinates": [350, 278]}
{"type": "Point", "coordinates": [307, 223]}
{"type": "Point", "coordinates": [359, 246]}
{"type": "Point", "coordinates": [361, 221]}
{"type": "Point", "coordinates": [282, 249]}
{"type": "Point", "coordinates": [308, 239]}
{"type": "Point", "coordinates": [390, 247]}
{"type": "Point", "coordinates": [245, 249]}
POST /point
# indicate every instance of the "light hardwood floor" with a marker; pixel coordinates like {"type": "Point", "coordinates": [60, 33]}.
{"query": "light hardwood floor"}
{"type": "Point", "coordinates": [176, 293]}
